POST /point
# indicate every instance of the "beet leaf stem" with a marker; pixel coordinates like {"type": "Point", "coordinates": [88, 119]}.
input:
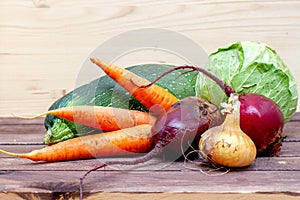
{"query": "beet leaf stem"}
{"type": "Point", "coordinates": [227, 89]}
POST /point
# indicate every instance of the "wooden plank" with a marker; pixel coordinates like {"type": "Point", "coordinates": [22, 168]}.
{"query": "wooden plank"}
{"type": "Point", "coordinates": [18, 121]}
{"type": "Point", "coordinates": [181, 182]}
{"type": "Point", "coordinates": [44, 44]}
{"type": "Point", "coordinates": [290, 149]}
{"type": "Point", "coordinates": [266, 178]}
{"type": "Point", "coordinates": [22, 134]}
{"type": "Point", "coordinates": [296, 117]}
{"type": "Point", "coordinates": [20, 131]}
{"type": "Point", "coordinates": [148, 196]}
{"type": "Point", "coordinates": [152, 182]}
{"type": "Point", "coordinates": [260, 164]}
{"type": "Point", "coordinates": [188, 196]}
{"type": "Point", "coordinates": [292, 131]}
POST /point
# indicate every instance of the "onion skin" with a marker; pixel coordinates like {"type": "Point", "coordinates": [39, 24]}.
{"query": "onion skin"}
{"type": "Point", "coordinates": [230, 150]}
{"type": "Point", "coordinates": [227, 145]}
{"type": "Point", "coordinates": [262, 120]}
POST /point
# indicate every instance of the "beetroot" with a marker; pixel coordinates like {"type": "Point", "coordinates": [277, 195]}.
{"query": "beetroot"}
{"type": "Point", "coordinates": [262, 120]}
{"type": "Point", "coordinates": [182, 126]}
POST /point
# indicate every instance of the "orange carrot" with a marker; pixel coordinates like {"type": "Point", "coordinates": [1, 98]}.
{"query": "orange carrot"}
{"type": "Point", "coordinates": [149, 96]}
{"type": "Point", "coordinates": [116, 143]}
{"type": "Point", "coordinates": [105, 118]}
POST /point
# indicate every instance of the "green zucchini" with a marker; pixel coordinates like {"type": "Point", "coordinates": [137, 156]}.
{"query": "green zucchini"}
{"type": "Point", "coordinates": [105, 92]}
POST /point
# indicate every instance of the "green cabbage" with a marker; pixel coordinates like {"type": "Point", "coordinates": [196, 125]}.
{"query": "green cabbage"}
{"type": "Point", "coordinates": [250, 67]}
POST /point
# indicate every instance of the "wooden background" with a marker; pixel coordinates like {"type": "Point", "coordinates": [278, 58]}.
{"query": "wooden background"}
{"type": "Point", "coordinates": [43, 43]}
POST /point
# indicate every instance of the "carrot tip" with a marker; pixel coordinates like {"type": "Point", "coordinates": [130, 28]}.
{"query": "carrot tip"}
{"type": "Point", "coordinates": [99, 63]}
{"type": "Point", "coordinates": [28, 117]}
{"type": "Point", "coordinates": [93, 60]}
{"type": "Point", "coordinates": [10, 153]}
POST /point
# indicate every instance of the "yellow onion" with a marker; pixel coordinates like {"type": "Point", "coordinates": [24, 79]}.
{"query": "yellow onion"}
{"type": "Point", "coordinates": [227, 145]}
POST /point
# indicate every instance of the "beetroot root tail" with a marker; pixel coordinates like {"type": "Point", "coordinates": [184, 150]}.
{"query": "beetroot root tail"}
{"type": "Point", "coordinates": [154, 152]}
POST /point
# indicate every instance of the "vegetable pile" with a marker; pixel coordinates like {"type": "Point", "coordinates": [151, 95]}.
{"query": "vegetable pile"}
{"type": "Point", "coordinates": [259, 89]}
{"type": "Point", "coordinates": [105, 92]}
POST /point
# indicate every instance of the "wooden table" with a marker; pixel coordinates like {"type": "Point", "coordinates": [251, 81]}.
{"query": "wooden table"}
{"type": "Point", "coordinates": [267, 178]}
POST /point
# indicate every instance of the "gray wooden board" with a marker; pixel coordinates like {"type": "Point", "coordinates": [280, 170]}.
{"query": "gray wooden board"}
{"type": "Point", "coordinates": [267, 177]}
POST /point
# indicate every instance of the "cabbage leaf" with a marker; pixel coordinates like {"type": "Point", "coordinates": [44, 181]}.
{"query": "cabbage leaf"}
{"type": "Point", "coordinates": [250, 67]}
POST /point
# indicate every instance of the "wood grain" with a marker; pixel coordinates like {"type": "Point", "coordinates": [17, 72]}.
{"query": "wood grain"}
{"type": "Point", "coordinates": [43, 43]}
{"type": "Point", "coordinates": [49, 185]}
{"type": "Point", "coordinates": [267, 178]}
{"type": "Point", "coordinates": [261, 164]}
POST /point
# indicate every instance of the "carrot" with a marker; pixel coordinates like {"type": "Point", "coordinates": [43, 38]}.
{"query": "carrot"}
{"type": "Point", "coordinates": [116, 143]}
{"type": "Point", "coordinates": [175, 131]}
{"type": "Point", "coordinates": [149, 96]}
{"type": "Point", "coordinates": [105, 118]}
